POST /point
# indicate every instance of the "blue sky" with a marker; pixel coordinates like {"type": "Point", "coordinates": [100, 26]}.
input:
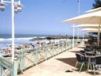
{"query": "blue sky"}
{"type": "Point", "coordinates": [43, 16]}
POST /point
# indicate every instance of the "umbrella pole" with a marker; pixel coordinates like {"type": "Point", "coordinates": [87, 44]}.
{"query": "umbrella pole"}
{"type": "Point", "coordinates": [73, 36]}
{"type": "Point", "coordinates": [83, 36]}
{"type": "Point", "coordinates": [98, 38]}
{"type": "Point", "coordinates": [78, 31]}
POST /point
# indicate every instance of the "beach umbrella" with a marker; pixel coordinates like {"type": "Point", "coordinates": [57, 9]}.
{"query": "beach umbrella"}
{"type": "Point", "coordinates": [94, 10]}
{"type": "Point", "coordinates": [88, 26]}
{"type": "Point", "coordinates": [85, 19]}
{"type": "Point", "coordinates": [91, 29]}
{"type": "Point", "coordinates": [88, 18]}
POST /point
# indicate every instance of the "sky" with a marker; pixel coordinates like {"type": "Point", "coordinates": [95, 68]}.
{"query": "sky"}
{"type": "Point", "coordinates": [43, 16]}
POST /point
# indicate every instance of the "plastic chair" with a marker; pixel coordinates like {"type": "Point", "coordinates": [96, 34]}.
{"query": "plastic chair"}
{"type": "Point", "coordinates": [97, 64]}
{"type": "Point", "coordinates": [80, 60]}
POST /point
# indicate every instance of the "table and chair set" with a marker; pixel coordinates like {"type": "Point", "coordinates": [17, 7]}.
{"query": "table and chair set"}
{"type": "Point", "coordinates": [90, 58]}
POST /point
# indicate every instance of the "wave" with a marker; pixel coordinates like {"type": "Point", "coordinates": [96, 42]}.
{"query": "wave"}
{"type": "Point", "coordinates": [2, 39]}
{"type": "Point", "coordinates": [5, 42]}
{"type": "Point", "coordinates": [17, 39]}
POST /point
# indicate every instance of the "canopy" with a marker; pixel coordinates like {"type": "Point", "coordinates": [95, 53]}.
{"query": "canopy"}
{"type": "Point", "coordinates": [88, 26]}
{"type": "Point", "coordinates": [88, 18]}
{"type": "Point", "coordinates": [91, 29]}
{"type": "Point", "coordinates": [94, 10]}
{"type": "Point", "coordinates": [85, 19]}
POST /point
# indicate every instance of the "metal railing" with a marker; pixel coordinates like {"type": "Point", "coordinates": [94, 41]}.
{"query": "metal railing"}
{"type": "Point", "coordinates": [7, 68]}
{"type": "Point", "coordinates": [29, 57]}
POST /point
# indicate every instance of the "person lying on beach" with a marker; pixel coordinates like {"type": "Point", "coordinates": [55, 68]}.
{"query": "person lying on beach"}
{"type": "Point", "coordinates": [7, 52]}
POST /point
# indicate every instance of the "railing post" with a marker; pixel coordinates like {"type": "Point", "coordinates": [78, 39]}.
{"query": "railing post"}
{"type": "Point", "coordinates": [14, 68]}
{"type": "Point", "coordinates": [36, 55]}
{"type": "Point", "coordinates": [1, 70]}
{"type": "Point", "coordinates": [21, 60]}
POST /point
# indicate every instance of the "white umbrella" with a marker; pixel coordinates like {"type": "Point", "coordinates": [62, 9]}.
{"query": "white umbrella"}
{"type": "Point", "coordinates": [85, 19]}
{"type": "Point", "coordinates": [88, 18]}
{"type": "Point", "coordinates": [93, 10]}
{"type": "Point", "coordinates": [88, 26]}
{"type": "Point", "coordinates": [91, 29]}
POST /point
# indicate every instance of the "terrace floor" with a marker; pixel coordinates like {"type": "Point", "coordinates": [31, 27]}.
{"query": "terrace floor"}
{"type": "Point", "coordinates": [60, 65]}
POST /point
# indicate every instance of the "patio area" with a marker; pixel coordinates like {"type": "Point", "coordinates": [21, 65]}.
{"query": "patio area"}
{"type": "Point", "coordinates": [61, 65]}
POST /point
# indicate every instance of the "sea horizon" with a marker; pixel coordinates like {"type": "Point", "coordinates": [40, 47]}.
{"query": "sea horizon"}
{"type": "Point", "coordinates": [30, 35]}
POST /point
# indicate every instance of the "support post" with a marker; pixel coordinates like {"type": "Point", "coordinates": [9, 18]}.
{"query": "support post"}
{"type": "Point", "coordinates": [2, 1]}
{"type": "Point", "coordinates": [13, 29]}
{"type": "Point", "coordinates": [98, 41]}
{"type": "Point", "coordinates": [14, 68]}
{"type": "Point", "coordinates": [1, 70]}
{"type": "Point", "coordinates": [73, 36]}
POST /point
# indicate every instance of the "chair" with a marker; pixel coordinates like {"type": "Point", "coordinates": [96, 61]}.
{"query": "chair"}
{"type": "Point", "coordinates": [97, 64]}
{"type": "Point", "coordinates": [80, 60]}
{"type": "Point", "coordinates": [82, 51]}
{"type": "Point", "coordinates": [90, 51]}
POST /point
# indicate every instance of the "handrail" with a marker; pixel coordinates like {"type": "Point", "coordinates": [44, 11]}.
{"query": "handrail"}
{"type": "Point", "coordinates": [27, 58]}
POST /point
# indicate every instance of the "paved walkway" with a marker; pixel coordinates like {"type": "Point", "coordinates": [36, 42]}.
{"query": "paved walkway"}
{"type": "Point", "coordinates": [57, 66]}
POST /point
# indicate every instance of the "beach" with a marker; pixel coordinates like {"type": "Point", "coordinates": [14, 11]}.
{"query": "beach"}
{"type": "Point", "coordinates": [33, 51]}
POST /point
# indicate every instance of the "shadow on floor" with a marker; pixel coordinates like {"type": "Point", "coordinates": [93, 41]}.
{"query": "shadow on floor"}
{"type": "Point", "coordinates": [82, 47]}
{"type": "Point", "coordinates": [75, 51]}
{"type": "Point", "coordinates": [78, 51]}
{"type": "Point", "coordinates": [96, 73]}
{"type": "Point", "coordinates": [70, 61]}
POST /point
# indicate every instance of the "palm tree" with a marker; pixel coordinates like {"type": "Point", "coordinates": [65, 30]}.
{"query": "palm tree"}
{"type": "Point", "coordinates": [97, 4]}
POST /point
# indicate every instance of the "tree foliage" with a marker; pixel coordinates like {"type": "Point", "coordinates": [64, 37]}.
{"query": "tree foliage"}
{"type": "Point", "coordinates": [97, 4]}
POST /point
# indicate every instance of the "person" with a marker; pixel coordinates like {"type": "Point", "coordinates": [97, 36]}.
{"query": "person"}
{"type": "Point", "coordinates": [32, 45]}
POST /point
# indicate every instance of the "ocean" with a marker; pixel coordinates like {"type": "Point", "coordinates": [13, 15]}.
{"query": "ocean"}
{"type": "Point", "coordinates": [21, 35]}
{"type": "Point", "coordinates": [5, 39]}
